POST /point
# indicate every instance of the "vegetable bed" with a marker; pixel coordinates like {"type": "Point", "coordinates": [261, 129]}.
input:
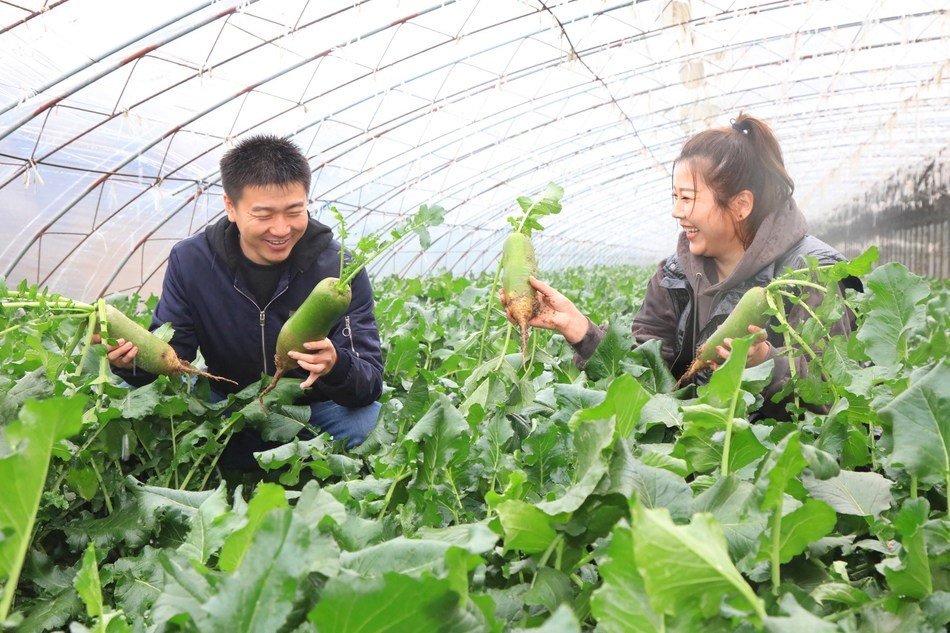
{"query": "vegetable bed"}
{"type": "Point", "coordinates": [498, 494]}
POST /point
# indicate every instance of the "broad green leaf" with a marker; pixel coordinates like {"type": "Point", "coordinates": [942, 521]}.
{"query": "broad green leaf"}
{"type": "Point", "coordinates": [783, 464]}
{"type": "Point", "coordinates": [476, 538]}
{"type": "Point", "coordinates": [52, 612]}
{"type": "Point", "coordinates": [621, 604]}
{"type": "Point", "coordinates": [317, 506]}
{"type": "Point", "coordinates": [702, 442]}
{"type": "Point", "coordinates": [392, 603]}
{"type": "Point", "coordinates": [31, 437]}
{"type": "Point", "coordinates": [184, 593]}
{"type": "Point", "coordinates": [920, 424]}
{"type": "Point", "coordinates": [657, 379]}
{"type": "Point", "coordinates": [210, 526]}
{"type": "Point", "coordinates": [87, 583]}
{"type": "Point", "coordinates": [550, 588]}
{"type": "Point", "coordinates": [592, 438]}
{"type": "Point", "coordinates": [662, 409]}
{"type": "Point", "coordinates": [138, 582]}
{"type": "Point", "coordinates": [128, 525]}
{"type": "Point", "coordinates": [178, 505]}
{"type": "Point", "coordinates": [822, 464]}
{"type": "Point", "coordinates": [267, 497]}
{"type": "Point", "coordinates": [491, 446]}
{"type": "Point", "coordinates": [798, 620]}
{"type": "Point", "coordinates": [563, 620]}
{"type": "Point", "coordinates": [687, 569]}
{"type": "Point", "coordinates": [895, 307]}
{"type": "Point", "coordinates": [840, 592]}
{"type": "Point", "coordinates": [442, 434]}
{"type": "Point", "coordinates": [723, 388]}
{"type": "Point", "coordinates": [731, 501]}
{"type": "Point", "coordinates": [653, 487]}
{"type": "Point", "coordinates": [89, 588]}
{"type": "Point", "coordinates": [657, 459]}
{"type": "Point", "coordinates": [857, 493]}
{"type": "Point", "coordinates": [32, 385]}
{"type": "Point", "coordinates": [812, 521]}
{"type": "Point", "coordinates": [608, 358]}
{"type": "Point", "coordinates": [260, 596]}
{"type": "Point", "coordinates": [527, 529]}
{"type": "Point", "coordinates": [625, 398]}
{"type": "Point", "coordinates": [912, 578]}
{"type": "Point", "coordinates": [410, 556]}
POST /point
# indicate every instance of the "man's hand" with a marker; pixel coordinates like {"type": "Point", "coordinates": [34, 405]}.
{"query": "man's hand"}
{"type": "Point", "coordinates": [556, 312]}
{"type": "Point", "coordinates": [121, 355]}
{"type": "Point", "coordinates": [319, 361]}
{"type": "Point", "coordinates": [758, 351]}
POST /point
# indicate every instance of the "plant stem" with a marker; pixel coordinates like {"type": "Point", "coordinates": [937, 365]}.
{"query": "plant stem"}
{"type": "Point", "coordinates": [504, 347]}
{"type": "Point", "coordinates": [491, 299]}
{"type": "Point", "coordinates": [392, 489]}
{"type": "Point", "coordinates": [214, 463]}
{"type": "Point", "coordinates": [776, 547]}
{"type": "Point", "coordinates": [217, 437]}
{"type": "Point", "coordinates": [913, 486]}
{"type": "Point", "coordinates": [458, 499]}
{"type": "Point", "coordinates": [102, 486]}
{"type": "Point", "coordinates": [547, 554]}
{"type": "Point", "coordinates": [174, 448]}
{"type": "Point", "coordinates": [778, 283]}
{"type": "Point", "coordinates": [834, 617]}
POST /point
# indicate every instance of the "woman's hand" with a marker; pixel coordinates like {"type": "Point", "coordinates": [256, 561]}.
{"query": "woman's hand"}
{"type": "Point", "coordinates": [758, 352]}
{"type": "Point", "coordinates": [555, 312]}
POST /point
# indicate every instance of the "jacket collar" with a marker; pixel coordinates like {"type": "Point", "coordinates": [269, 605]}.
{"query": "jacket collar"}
{"type": "Point", "coordinates": [224, 238]}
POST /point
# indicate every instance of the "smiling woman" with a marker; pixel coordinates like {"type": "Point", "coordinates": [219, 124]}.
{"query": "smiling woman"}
{"type": "Point", "coordinates": [741, 228]}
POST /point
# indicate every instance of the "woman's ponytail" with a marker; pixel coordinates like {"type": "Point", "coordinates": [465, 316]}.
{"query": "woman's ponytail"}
{"type": "Point", "coordinates": [745, 156]}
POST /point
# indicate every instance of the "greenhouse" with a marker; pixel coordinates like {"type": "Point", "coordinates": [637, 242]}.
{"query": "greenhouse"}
{"type": "Point", "coordinates": [474, 315]}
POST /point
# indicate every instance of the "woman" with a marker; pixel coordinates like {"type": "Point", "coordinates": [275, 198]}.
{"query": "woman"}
{"type": "Point", "coordinates": [740, 228]}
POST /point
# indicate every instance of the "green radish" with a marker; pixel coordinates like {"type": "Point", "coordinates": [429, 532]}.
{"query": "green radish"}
{"type": "Point", "coordinates": [329, 300]}
{"type": "Point", "coordinates": [520, 263]}
{"type": "Point", "coordinates": [324, 306]}
{"type": "Point", "coordinates": [751, 310]}
{"type": "Point", "coordinates": [154, 355]}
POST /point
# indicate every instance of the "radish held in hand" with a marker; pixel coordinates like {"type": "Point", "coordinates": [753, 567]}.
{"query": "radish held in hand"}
{"type": "Point", "coordinates": [154, 355]}
{"type": "Point", "coordinates": [322, 308]}
{"type": "Point", "coordinates": [520, 264]}
{"type": "Point", "coordinates": [751, 310]}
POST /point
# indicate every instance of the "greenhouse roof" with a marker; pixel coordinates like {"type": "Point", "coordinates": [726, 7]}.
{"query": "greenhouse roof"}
{"type": "Point", "coordinates": [113, 116]}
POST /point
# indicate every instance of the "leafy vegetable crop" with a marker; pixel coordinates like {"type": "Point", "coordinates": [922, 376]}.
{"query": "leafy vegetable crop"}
{"type": "Point", "coordinates": [494, 494]}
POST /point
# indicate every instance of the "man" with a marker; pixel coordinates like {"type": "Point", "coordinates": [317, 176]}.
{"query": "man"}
{"type": "Point", "coordinates": [229, 290]}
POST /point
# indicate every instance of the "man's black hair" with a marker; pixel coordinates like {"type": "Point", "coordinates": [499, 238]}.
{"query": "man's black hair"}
{"type": "Point", "coordinates": [262, 160]}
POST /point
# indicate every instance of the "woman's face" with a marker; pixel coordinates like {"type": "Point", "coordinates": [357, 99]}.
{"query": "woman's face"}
{"type": "Point", "coordinates": [708, 227]}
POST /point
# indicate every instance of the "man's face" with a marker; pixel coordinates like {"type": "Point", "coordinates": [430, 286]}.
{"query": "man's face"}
{"type": "Point", "coordinates": [271, 220]}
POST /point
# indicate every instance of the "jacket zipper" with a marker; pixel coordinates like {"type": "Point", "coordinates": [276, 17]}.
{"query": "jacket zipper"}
{"type": "Point", "coordinates": [348, 333]}
{"type": "Point", "coordinates": [262, 314]}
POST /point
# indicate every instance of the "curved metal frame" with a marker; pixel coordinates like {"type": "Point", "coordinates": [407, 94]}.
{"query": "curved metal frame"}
{"type": "Point", "coordinates": [623, 162]}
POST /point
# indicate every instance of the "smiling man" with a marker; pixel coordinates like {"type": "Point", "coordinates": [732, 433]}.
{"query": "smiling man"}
{"type": "Point", "coordinates": [229, 290]}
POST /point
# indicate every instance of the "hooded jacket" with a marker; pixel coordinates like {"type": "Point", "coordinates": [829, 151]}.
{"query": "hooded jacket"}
{"type": "Point", "coordinates": [210, 307]}
{"type": "Point", "coordinates": [685, 301]}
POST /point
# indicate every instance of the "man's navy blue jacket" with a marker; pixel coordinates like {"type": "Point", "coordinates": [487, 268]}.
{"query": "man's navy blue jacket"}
{"type": "Point", "coordinates": [209, 306]}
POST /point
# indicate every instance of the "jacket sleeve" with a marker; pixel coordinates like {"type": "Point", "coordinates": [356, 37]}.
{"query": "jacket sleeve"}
{"type": "Point", "coordinates": [356, 379]}
{"type": "Point", "coordinates": [656, 318]}
{"type": "Point", "coordinates": [172, 308]}
{"type": "Point", "coordinates": [782, 371]}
